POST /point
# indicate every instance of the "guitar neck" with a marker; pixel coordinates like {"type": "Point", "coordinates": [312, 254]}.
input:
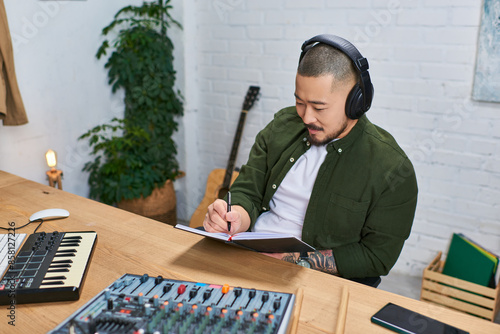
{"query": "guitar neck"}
{"type": "Point", "coordinates": [250, 98]}
{"type": "Point", "coordinates": [234, 150]}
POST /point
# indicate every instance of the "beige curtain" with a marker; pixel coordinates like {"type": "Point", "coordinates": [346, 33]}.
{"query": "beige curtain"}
{"type": "Point", "coordinates": [12, 110]}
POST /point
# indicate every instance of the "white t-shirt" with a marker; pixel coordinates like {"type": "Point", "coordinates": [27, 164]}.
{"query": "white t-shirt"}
{"type": "Point", "coordinates": [289, 203]}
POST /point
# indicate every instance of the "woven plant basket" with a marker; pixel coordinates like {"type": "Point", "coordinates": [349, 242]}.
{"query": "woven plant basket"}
{"type": "Point", "coordinates": [160, 205]}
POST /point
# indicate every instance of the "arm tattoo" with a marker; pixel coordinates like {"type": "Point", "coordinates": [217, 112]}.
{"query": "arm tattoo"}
{"type": "Point", "coordinates": [321, 260]}
{"type": "Point", "coordinates": [324, 261]}
{"type": "Point", "coordinates": [290, 257]}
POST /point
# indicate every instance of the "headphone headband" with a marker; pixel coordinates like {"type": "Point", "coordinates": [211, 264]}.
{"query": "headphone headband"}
{"type": "Point", "coordinates": [360, 63]}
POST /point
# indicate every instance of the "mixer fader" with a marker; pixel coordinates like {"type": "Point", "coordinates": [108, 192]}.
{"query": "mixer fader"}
{"type": "Point", "coordinates": [143, 304]}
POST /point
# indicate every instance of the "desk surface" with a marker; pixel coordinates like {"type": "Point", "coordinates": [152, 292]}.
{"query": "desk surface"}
{"type": "Point", "coordinates": [128, 243]}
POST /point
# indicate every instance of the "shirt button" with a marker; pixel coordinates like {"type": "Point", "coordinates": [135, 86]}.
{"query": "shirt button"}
{"type": "Point", "coordinates": [308, 144]}
{"type": "Point", "coordinates": [264, 208]}
{"type": "Point", "coordinates": [292, 159]}
{"type": "Point", "coordinates": [274, 186]}
{"type": "Point", "coordinates": [339, 150]}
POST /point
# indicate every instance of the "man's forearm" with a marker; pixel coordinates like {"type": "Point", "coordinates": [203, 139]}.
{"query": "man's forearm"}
{"type": "Point", "coordinates": [321, 260]}
{"type": "Point", "coordinates": [324, 261]}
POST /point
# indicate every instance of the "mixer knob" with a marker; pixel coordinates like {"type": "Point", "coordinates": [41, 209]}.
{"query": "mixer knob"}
{"type": "Point", "coordinates": [110, 303]}
{"type": "Point", "coordinates": [237, 291]}
{"type": "Point", "coordinates": [147, 309]}
{"type": "Point", "coordinates": [276, 304]}
{"type": "Point", "coordinates": [252, 293]}
{"type": "Point", "coordinates": [225, 288]}
{"type": "Point", "coordinates": [181, 289]}
{"type": "Point", "coordinates": [206, 295]}
{"type": "Point", "coordinates": [144, 278]}
{"type": "Point", "coordinates": [193, 293]}
{"type": "Point", "coordinates": [265, 296]}
{"type": "Point", "coordinates": [194, 310]}
{"type": "Point", "coordinates": [209, 313]}
{"type": "Point", "coordinates": [158, 280]}
{"type": "Point", "coordinates": [156, 301]}
{"type": "Point", "coordinates": [167, 287]}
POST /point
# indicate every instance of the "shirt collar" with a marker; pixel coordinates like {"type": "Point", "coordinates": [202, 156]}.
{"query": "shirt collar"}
{"type": "Point", "coordinates": [343, 143]}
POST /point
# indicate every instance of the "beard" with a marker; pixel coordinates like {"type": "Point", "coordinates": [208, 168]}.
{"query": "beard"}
{"type": "Point", "coordinates": [329, 137]}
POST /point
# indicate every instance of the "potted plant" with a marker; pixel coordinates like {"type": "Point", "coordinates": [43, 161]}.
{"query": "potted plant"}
{"type": "Point", "coordinates": [135, 157]}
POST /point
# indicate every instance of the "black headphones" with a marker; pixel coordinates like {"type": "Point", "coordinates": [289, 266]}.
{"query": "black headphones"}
{"type": "Point", "coordinates": [360, 98]}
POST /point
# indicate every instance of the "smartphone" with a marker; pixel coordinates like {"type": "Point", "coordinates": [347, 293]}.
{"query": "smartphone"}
{"type": "Point", "coordinates": [402, 320]}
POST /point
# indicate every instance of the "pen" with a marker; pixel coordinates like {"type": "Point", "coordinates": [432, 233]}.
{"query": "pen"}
{"type": "Point", "coordinates": [229, 209]}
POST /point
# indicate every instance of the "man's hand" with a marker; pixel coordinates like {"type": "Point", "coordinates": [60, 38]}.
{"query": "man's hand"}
{"type": "Point", "coordinates": [217, 217]}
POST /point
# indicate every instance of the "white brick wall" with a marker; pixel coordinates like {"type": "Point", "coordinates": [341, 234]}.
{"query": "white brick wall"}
{"type": "Point", "coordinates": [422, 58]}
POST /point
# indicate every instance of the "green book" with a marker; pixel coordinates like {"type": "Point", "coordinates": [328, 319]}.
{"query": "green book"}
{"type": "Point", "coordinates": [468, 262]}
{"type": "Point", "coordinates": [493, 257]}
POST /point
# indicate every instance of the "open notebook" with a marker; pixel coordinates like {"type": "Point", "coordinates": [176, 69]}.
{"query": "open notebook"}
{"type": "Point", "coordinates": [259, 242]}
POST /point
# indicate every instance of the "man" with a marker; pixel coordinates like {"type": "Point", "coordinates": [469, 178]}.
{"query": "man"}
{"type": "Point", "coordinates": [323, 172]}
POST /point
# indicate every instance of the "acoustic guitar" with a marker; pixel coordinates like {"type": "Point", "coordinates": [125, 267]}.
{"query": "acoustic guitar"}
{"type": "Point", "coordinates": [219, 180]}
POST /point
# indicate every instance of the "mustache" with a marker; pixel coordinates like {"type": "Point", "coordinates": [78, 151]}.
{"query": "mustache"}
{"type": "Point", "coordinates": [313, 127]}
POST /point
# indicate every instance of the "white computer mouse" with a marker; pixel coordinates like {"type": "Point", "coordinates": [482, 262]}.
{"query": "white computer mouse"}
{"type": "Point", "coordinates": [49, 214]}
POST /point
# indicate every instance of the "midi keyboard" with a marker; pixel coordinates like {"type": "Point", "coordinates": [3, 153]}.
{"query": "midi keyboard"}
{"type": "Point", "coordinates": [48, 267]}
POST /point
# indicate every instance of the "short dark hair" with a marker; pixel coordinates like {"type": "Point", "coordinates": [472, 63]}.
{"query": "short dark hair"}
{"type": "Point", "coordinates": [324, 59]}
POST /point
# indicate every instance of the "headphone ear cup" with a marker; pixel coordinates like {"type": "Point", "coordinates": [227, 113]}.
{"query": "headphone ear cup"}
{"type": "Point", "coordinates": [354, 103]}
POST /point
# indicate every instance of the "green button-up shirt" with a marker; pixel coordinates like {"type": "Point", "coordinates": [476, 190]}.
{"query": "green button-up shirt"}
{"type": "Point", "coordinates": [363, 200]}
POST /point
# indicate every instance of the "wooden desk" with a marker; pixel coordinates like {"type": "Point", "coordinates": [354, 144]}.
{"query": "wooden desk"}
{"type": "Point", "coordinates": [128, 243]}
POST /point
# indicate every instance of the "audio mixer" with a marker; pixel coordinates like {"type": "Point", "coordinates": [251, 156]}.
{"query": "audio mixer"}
{"type": "Point", "coordinates": [145, 304]}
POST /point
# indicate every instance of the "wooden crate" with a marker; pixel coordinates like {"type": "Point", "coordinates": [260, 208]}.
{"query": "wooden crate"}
{"type": "Point", "coordinates": [458, 294]}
